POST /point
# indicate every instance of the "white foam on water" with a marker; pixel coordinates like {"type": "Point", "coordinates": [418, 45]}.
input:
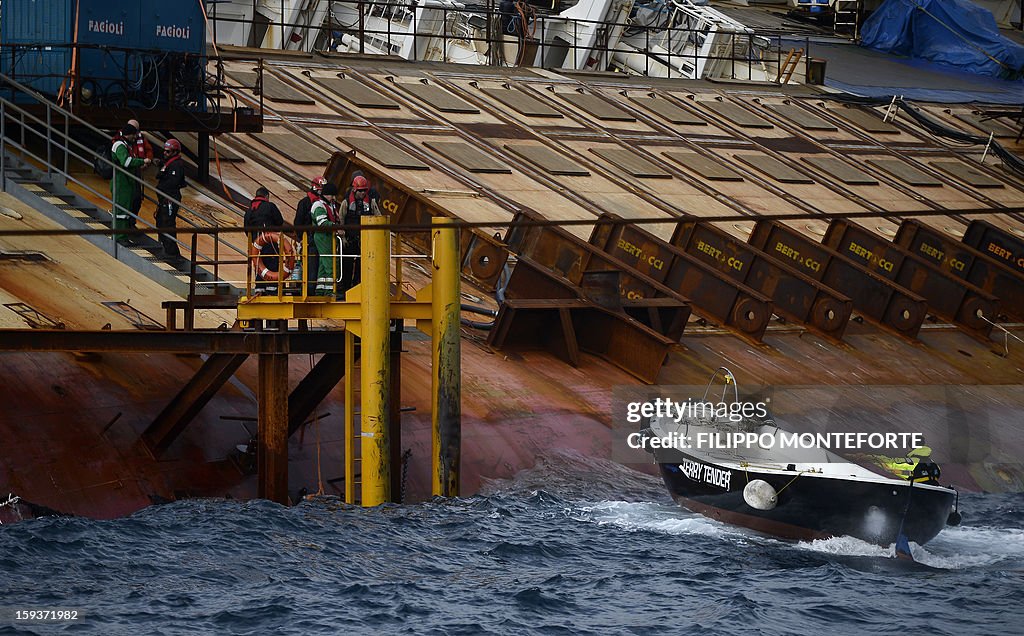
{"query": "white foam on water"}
{"type": "Point", "coordinates": [954, 549]}
{"type": "Point", "coordinates": [652, 517]}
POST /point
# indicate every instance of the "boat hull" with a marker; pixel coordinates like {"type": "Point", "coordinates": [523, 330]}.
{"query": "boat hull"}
{"type": "Point", "coordinates": [812, 506]}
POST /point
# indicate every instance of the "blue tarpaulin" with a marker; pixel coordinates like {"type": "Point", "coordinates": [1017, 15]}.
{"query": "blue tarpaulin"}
{"type": "Point", "coordinates": [951, 32]}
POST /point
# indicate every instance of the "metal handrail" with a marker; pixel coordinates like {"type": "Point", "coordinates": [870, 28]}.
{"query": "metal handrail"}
{"type": "Point", "coordinates": [7, 105]}
{"type": "Point", "coordinates": [388, 36]}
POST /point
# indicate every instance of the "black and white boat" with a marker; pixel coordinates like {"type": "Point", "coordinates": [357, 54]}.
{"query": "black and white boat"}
{"type": "Point", "coordinates": [804, 494]}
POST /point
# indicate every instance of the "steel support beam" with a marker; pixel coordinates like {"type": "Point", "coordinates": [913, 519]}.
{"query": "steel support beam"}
{"type": "Point", "coordinates": [272, 439]}
{"type": "Point", "coordinates": [313, 388]}
{"type": "Point", "coordinates": [170, 342]}
{"type": "Point", "coordinates": [180, 411]}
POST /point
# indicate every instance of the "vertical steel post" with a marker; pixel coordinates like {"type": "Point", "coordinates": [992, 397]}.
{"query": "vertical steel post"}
{"type": "Point", "coordinates": [272, 415]}
{"type": "Point", "coordinates": [350, 411]}
{"type": "Point", "coordinates": [3, 147]}
{"type": "Point", "coordinates": [446, 416]}
{"type": "Point", "coordinates": [375, 360]}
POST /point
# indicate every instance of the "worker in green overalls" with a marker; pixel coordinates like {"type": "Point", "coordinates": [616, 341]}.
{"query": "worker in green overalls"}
{"type": "Point", "coordinates": [122, 187]}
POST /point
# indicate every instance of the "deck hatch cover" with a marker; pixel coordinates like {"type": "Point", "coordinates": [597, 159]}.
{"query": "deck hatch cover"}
{"type": "Point", "coordinates": [438, 98]}
{"type": "Point", "coordinates": [138, 319]}
{"type": "Point", "coordinates": [548, 160]}
{"type": "Point", "coordinates": [385, 153]}
{"type": "Point", "coordinates": [468, 157]}
{"type": "Point", "coordinates": [906, 173]}
{"type": "Point", "coordinates": [35, 318]}
{"type": "Point", "coordinates": [670, 112]}
{"type": "Point", "coordinates": [705, 167]}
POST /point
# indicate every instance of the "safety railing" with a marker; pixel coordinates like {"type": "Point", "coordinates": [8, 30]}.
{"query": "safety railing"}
{"type": "Point", "coordinates": [33, 130]}
{"type": "Point", "coordinates": [431, 31]}
{"type": "Point", "coordinates": [293, 274]}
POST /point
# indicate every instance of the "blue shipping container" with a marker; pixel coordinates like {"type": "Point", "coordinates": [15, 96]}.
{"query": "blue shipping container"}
{"type": "Point", "coordinates": [109, 77]}
{"type": "Point", "coordinates": [36, 21]}
{"type": "Point", "coordinates": [175, 26]}
{"type": "Point", "coordinates": [45, 24]}
{"type": "Point", "coordinates": [42, 68]}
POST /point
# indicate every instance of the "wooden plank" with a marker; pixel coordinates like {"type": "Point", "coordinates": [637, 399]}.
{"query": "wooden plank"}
{"type": "Point", "coordinates": [632, 163]}
{"type": "Point", "coordinates": [774, 169]}
{"type": "Point", "coordinates": [522, 103]}
{"type": "Point", "coordinates": [841, 170]}
{"type": "Point", "coordinates": [670, 112]}
{"type": "Point", "coordinates": [357, 93]}
{"type": "Point", "coordinates": [190, 142]}
{"type": "Point", "coordinates": [906, 173]}
{"type": "Point", "coordinates": [294, 147]}
{"type": "Point", "coordinates": [736, 114]}
{"type": "Point", "coordinates": [468, 157]}
{"type": "Point", "coordinates": [597, 106]}
{"type": "Point", "coordinates": [438, 98]}
{"type": "Point", "coordinates": [706, 167]}
{"type": "Point", "coordinates": [868, 120]}
{"type": "Point", "coordinates": [967, 174]}
{"type": "Point", "coordinates": [804, 119]}
{"type": "Point", "coordinates": [273, 89]}
{"type": "Point", "coordinates": [385, 153]}
{"type": "Point", "coordinates": [548, 160]}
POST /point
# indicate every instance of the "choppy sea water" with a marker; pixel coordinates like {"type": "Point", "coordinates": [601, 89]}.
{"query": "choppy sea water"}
{"type": "Point", "coordinates": [572, 546]}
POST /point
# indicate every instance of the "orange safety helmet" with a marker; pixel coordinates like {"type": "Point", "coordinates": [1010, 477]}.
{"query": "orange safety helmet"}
{"type": "Point", "coordinates": [360, 183]}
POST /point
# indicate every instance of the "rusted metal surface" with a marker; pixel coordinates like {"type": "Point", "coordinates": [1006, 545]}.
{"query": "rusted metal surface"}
{"type": "Point", "coordinates": [182, 409]}
{"type": "Point", "coordinates": [950, 298]}
{"type": "Point", "coordinates": [272, 440]}
{"type": "Point", "coordinates": [728, 302]}
{"type": "Point", "coordinates": [877, 299]}
{"type": "Point", "coordinates": [567, 326]}
{"type": "Point", "coordinates": [963, 261]}
{"type": "Point", "coordinates": [987, 238]}
{"type": "Point", "coordinates": [483, 256]}
{"type": "Point", "coordinates": [795, 296]}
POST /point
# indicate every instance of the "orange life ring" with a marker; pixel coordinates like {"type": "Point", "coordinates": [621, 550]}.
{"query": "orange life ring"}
{"type": "Point", "coordinates": [285, 252]}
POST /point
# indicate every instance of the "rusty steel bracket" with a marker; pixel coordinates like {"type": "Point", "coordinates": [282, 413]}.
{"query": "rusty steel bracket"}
{"type": "Point", "coordinates": [795, 296]}
{"type": "Point", "coordinates": [566, 326]}
{"type": "Point", "coordinates": [877, 299]}
{"type": "Point", "coordinates": [987, 238]}
{"type": "Point", "coordinates": [531, 280]}
{"type": "Point", "coordinates": [949, 297]}
{"type": "Point", "coordinates": [483, 256]}
{"type": "Point", "coordinates": [983, 269]}
{"type": "Point", "coordinates": [744, 311]}
{"type": "Point", "coordinates": [564, 257]}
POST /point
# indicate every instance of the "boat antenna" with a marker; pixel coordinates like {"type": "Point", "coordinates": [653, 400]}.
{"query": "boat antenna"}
{"type": "Point", "coordinates": [729, 378]}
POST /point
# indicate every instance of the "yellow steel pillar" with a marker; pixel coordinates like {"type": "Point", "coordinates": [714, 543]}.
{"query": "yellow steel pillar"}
{"type": "Point", "coordinates": [350, 410]}
{"type": "Point", "coordinates": [446, 418]}
{"type": "Point", "coordinates": [375, 360]}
